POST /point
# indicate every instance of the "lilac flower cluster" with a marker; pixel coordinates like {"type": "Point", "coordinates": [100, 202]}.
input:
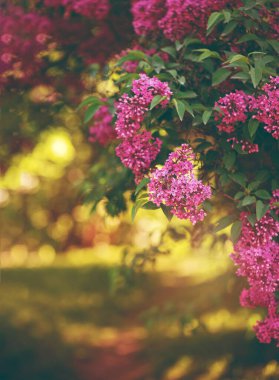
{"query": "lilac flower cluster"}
{"type": "Point", "coordinates": [132, 110]}
{"type": "Point", "coordinates": [138, 150]}
{"type": "Point", "coordinates": [20, 51]}
{"type": "Point", "coordinates": [102, 130]}
{"type": "Point", "coordinates": [235, 108]}
{"type": "Point", "coordinates": [267, 107]}
{"type": "Point", "coordinates": [176, 186]}
{"type": "Point", "coordinates": [257, 256]}
{"type": "Point", "coordinates": [176, 18]}
{"type": "Point", "coordinates": [146, 15]}
{"type": "Point", "coordinates": [246, 146]}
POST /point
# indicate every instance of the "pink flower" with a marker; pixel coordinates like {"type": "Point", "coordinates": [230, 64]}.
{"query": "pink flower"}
{"type": "Point", "coordinates": [233, 109]}
{"type": "Point", "coordinates": [146, 88]}
{"type": "Point", "coordinates": [266, 107]}
{"type": "Point", "coordinates": [138, 152]}
{"type": "Point", "coordinates": [102, 131]}
{"type": "Point", "coordinates": [268, 329]}
{"type": "Point", "coordinates": [256, 255]}
{"type": "Point", "coordinates": [176, 186]}
{"type": "Point", "coordinates": [246, 146]}
{"type": "Point", "coordinates": [146, 15]}
{"type": "Point", "coordinates": [131, 111]}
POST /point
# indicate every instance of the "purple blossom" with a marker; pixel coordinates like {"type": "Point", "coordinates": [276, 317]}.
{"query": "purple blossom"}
{"type": "Point", "coordinates": [138, 152]}
{"type": "Point", "coordinates": [176, 186]}
{"type": "Point", "coordinates": [101, 130]}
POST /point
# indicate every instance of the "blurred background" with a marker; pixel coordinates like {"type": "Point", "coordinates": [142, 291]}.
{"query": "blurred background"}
{"type": "Point", "coordinates": [87, 296]}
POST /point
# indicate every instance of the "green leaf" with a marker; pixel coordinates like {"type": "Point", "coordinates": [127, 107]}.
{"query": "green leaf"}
{"type": "Point", "coordinates": [167, 212]}
{"type": "Point", "coordinates": [256, 74]}
{"type": "Point", "coordinates": [173, 73]}
{"type": "Point", "coordinates": [207, 206]}
{"type": "Point", "coordinates": [156, 100]}
{"type": "Point", "coordinates": [186, 94]}
{"type": "Point", "coordinates": [90, 112]}
{"type": "Point", "coordinates": [262, 176]}
{"type": "Point", "coordinates": [253, 125]}
{"type": "Point", "coordinates": [263, 194]}
{"type": "Point", "coordinates": [230, 27]}
{"type": "Point", "coordinates": [180, 108]}
{"type": "Point", "coordinates": [170, 50]}
{"type": "Point", "coordinates": [206, 53]}
{"type": "Point", "coordinates": [252, 219]}
{"type": "Point", "coordinates": [206, 116]}
{"type": "Point", "coordinates": [227, 15]}
{"type": "Point", "coordinates": [201, 147]}
{"type": "Point", "coordinates": [89, 100]}
{"type": "Point", "coordinates": [241, 76]}
{"type": "Point", "coordinates": [239, 195]}
{"type": "Point", "coordinates": [229, 160]}
{"type": "Point", "coordinates": [133, 55]}
{"type": "Point", "coordinates": [261, 209]}
{"type": "Point", "coordinates": [150, 206]}
{"type": "Point", "coordinates": [141, 185]}
{"type": "Point", "coordinates": [137, 206]}
{"type": "Point", "coordinates": [239, 178]}
{"type": "Point", "coordinates": [253, 185]}
{"type": "Point", "coordinates": [237, 57]}
{"type": "Point", "coordinates": [247, 37]}
{"type": "Point", "coordinates": [236, 231]}
{"type": "Point", "coordinates": [219, 76]}
{"type": "Point", "coordinates": [178, 45]}
{"type": "Point", "coordinates": [214, 19]}
{"type": "Point", "coordinates": [248, 200]}
{"type": "Point", "coordinates": [224, 222]}
{"type": "Point", "coordinates": [274, 44]}
{"type": "Point", "coordinates": [189, 109]}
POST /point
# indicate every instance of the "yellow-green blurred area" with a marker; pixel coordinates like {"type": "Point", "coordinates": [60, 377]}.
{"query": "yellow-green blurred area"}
{"type": "Point", "coordinates": [76, 303]}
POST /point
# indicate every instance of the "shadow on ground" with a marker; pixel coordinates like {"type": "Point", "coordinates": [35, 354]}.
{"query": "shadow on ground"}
{"type": "Point", "coordinates": [67, 323]}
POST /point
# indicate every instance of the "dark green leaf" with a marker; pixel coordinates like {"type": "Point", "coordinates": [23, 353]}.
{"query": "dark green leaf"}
{"type": "Point", "coordinates": [180, 108]}
{"type": "Point", "coordinates": [137, 206]}
{"type": "Point", "coordinates": [90, 112]}
{"type": "Point", "coordinates": [224, 222]}
{"type": "Point", "coordinates": [170, 50]}
{"type": "Point", "coordinates": [253, 126]}
{"type": "Point", "coordinates": [261, 209]}
{"type": "Point", "coordinates": [236, 231]}
{"type": "Point", "coordinates": [150, 206]}
{"type": "Point", "coordinates": [256, 75]}
{"type": "Point", "coordinates": [156, 100]}
{"type": "Point", "coordinates": [141, 185]}
{"type": "Point", "coordinates": [133, 55]}
{"type": "Point", "coordinates": [167, 212]}
{"type": "Point", "coordinates": [239, 178]}
{"type": "Point", "coordinates": [185, 94]}
{"type": "Point", "coordinates": [213, 20]}
{"type": "Point", "coordinates": [263, 194]}
{"type": "Point", "coordinates": [206, 116]}
{"type": "Point", "coordinates": [230, 27]}
{"type": "Point", "coordinates": [219, 76]}
{"type": "Point", "coordinates": [253, 185]}
{"type": "Point", "coordinates": [239, 195]}
{"type": "Point", "coordinates": [89, 100]}
{"type": "Point", "coordinates": [229, 160]}
{"type": "Point", "coordinates": [252, 219]}
{"type": "Point", "coordinates": [248, 200]}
